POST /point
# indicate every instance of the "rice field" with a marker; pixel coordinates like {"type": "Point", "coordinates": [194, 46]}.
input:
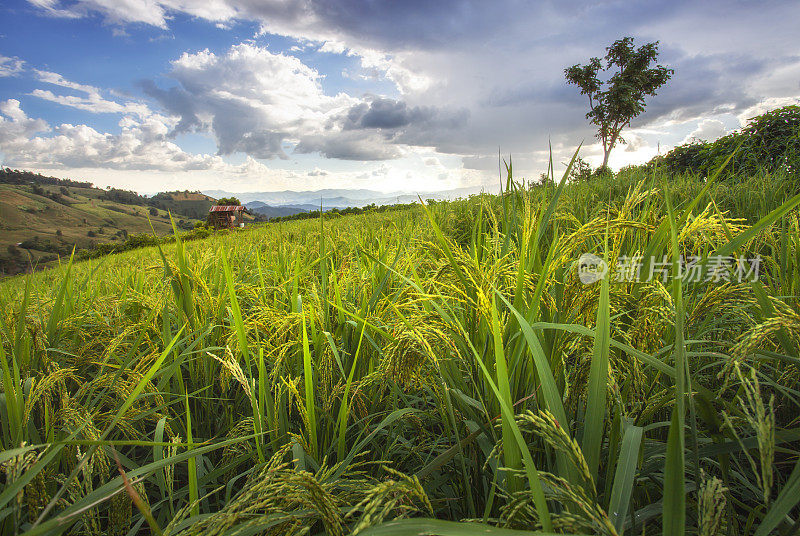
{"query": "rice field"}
{"type": "Point", "coordinates": [440, 370]}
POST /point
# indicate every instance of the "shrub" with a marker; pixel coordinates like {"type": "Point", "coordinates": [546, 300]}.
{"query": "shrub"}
{"type": "Point", "coordinates": [30, 243]}
{"type": "Point", "coordinates": [581, 171]}
{"type": "Point", "coordinates": [770, 143]}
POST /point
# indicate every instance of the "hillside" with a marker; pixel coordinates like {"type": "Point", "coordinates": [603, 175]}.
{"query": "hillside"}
{"type": "Point", "coordinates": [190, 204]}
{"type": "Point", "coordinates": [39, 221]}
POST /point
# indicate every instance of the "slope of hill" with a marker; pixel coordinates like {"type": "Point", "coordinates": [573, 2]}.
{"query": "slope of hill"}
{"type": "Point", "coordinates": [39, 222]}
{"type": "Point", "coordinates": [191, 204]}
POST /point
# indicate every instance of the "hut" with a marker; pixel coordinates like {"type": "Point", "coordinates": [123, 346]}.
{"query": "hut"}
{"type": "Point", "coordinates": [226, 216]}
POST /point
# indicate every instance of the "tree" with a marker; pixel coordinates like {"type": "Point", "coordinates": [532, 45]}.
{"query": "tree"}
{"type": "Point", "coordinates": [153, 211]}
{"type": "Point", "coordinates": [229, 201]}
{"type": "Point", "coordinates": [614, 102]}
{"type": "Point", "coordinates": [581, 171]}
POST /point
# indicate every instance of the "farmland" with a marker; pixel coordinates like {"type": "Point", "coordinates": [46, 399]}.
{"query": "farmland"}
{"type": "Point", "coordinates": [433, 370]}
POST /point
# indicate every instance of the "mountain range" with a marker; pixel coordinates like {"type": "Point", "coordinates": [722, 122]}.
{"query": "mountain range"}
{"type": "Point", "coordinates": [308, 200]}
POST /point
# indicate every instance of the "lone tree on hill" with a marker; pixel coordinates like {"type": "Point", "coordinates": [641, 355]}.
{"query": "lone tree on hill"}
{"type": "Point", "coordinates": [613, 103]}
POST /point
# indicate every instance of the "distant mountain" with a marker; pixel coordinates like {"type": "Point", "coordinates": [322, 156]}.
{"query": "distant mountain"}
{"type": "Point", "coordinates": [269, 211]}
{"type": "Point", "coordinates": [337, 198]}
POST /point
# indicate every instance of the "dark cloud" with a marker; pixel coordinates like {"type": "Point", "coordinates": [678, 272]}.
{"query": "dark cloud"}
{"type": "Point", "coordinates": [348, 145]}
{"type": "Point", "coordinates": [395, 115]}
{"type": "Point", "coordinates": [176, 102]}
{"type": "Point", "coordinates": [703, 84]}
{"type": "Point", "coordinates": [492, 72]}
{"type": "Point", "coordinates": [383, 113]}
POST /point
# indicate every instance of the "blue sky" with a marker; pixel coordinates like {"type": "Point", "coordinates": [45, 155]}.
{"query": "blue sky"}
{"type": "Point", "coordinates": [248, 95]}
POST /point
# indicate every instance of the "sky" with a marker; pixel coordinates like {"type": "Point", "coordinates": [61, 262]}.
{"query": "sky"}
{"type": "Point", "coordinates": [265, 95]}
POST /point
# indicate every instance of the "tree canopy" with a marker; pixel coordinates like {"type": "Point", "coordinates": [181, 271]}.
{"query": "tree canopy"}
{"type": "Point", "coordinates": [620, 98]}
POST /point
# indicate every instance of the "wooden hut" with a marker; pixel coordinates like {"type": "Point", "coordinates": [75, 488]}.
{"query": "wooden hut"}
{"type": "Point", "coordinates": [226, 216]}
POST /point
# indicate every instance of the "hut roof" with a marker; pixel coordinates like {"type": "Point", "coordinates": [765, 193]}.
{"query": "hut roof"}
{"type": "Point", "coordinates": [226, 208]}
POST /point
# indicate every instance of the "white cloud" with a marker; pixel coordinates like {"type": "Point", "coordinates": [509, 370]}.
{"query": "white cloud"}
{"type": "Point", "coordinates": [766, 105]}
{"type": "Point", "coordinates": [10, 66]}
{"type": "Point", "coordinates": [391, 66]}
{"type": "Point", "coordinates": [141, 144]}
{"type": "Point", "coordinates": [92, 101]}
{"type": "Point", "coordinates": [251, 99]}
{"type": "Point", "coordinates": [333, 47]}
{"type": "Point", "coordinates": [16, 126]}
{"type": "Point", "coordinates": [633, 142]}
{"type": "Point", "coordinates": [707, 130]}
{"type": "Point", "coordinates": [259, 103]}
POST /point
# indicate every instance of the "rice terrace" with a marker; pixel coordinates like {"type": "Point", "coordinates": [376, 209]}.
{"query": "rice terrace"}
{"type": "Point", "coordinates": [353, 316]}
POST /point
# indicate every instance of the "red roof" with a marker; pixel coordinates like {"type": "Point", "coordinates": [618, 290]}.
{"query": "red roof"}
{"type": "Point", "coordinates": [226, 208]}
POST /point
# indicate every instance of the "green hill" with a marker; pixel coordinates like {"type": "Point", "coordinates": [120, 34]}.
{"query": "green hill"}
{"type": "Point", "coordinates": [191, 204]}
{"type": "Point", "coordinates": [42, 218]}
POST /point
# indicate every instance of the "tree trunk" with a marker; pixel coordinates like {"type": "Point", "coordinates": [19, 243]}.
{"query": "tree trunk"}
{"type": "Point", "coordinates": [607, 150]}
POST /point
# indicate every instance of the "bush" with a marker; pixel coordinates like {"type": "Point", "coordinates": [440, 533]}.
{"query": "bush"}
{"type": "Point", "coordinates": [30, 243]}
{"type": "Point", "coordinates": [770, 143]}
{"type": "Point", "coordinates": [581, 171]}
{"type": "Point", "coordinates": [153, 211]}
{"type": "Point", "coordinates": [91, 234]}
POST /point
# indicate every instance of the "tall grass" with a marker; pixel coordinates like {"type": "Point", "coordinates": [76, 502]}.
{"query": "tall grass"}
{"type": "Point", "coordinates": [439, 370]}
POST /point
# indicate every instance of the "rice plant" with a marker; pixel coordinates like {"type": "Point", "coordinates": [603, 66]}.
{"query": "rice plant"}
{"type": "Point", "coordinates": [438, 370]}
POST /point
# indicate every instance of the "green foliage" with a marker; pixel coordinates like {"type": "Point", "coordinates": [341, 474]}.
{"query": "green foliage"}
{"type": "Point", "coordinates": [581, 171]}
{"type": "Point", "coordinates": [125, 197]}
{"type": "Point", "coordinates": [16, 176]}
{"type": "Point", "coordinates": [613, 103]}
{"type": "Point", "coordinates": [336, 212]}
{"type": "Point", "coordinates": [230, 201]}
{"type": "Point", "coordinates": [431, 370]}
{"type": "Point", "coordinates": [137, 241]}
{"type": "Point", "coordinates": [770, 143]}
